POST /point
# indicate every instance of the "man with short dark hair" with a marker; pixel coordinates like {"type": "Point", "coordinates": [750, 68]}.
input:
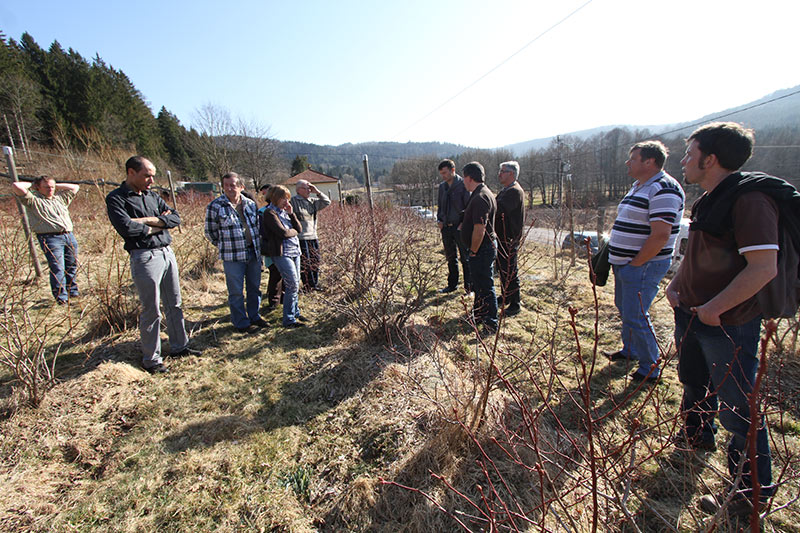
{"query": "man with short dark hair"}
{"type": "Point", "coordinates": [509, 222]}
{"type": "Point", "coordinates": [48, 214]}
{"type": "Point", "coordinates": [717, 315]}
{"type": "Point", "coordinates": [143, 220]}
{"type": "Point", "coordinates": [306, 210]}
{"type": "Point", "coordinates": [640, 252]}
{"type": "Point", "coordinates": [477, 235]}
{"type": "Point", "coordinates": [453, 198]}
{"type": "Point", "coordinates": [231, 225]}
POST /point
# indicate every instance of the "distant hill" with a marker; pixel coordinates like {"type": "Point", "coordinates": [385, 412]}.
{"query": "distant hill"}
{"type": "Point", "coordinates": [783, 112]}
{"type": "Point", "coordinates": [347, 158]}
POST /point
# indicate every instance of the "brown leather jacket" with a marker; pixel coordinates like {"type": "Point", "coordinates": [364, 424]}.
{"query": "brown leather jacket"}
{"type": "Point", "coordinates": [273, 232]}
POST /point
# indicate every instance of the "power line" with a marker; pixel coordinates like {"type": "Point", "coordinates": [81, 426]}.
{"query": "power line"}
{"type": "Point", "coordinates": [506, 60]}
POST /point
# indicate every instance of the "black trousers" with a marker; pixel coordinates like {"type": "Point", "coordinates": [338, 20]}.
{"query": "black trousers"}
{"type": "Point", "coordinates": [509, 275]}
{"type": "Point", "coordinates": [274, 293]}
{"type": "Point", "coordinates": [309, 263]}
{"type": "Point", "coordinates": [453, 247]}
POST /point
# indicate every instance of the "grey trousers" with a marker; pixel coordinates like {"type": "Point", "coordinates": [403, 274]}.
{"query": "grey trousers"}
{"type": "Point", "coordinates": [155, 274]}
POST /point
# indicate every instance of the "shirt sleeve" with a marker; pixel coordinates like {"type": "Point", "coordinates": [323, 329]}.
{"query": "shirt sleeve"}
{"type": "Point", "coordinates": [172, 218]}
{"type": "Point", "coordinates": [666, 205]}
{"type": "Point", "coordinates": [211, 227]}
{"type": "Point", "coordinates": [755, 223]}
{"type": "Point", "coordinates": [480, 213]}
{"type": "Point", "coordinates": [121, 220]}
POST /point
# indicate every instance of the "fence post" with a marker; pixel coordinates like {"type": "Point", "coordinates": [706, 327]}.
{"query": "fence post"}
{"type": "Point", "coordinates": [341, 199]}
{"type": "Point", "coordinates": [174, 198]}
{"type": "Point", "coordinates": [367, 182]}
{"type": "Point", "coordinates": [12, 170]}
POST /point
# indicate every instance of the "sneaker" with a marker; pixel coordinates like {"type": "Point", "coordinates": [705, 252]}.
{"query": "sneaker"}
{"type": "Point", "coordinates": [186, 351]}
{"type": "Point", "coordinates": [617, 356]}
{"type": "Point", "coordinates": [695, 443]}
{"type": "Point", "coordinates": [294, 325]}
{"type": "Point", "coordinates": [447, 290]}
{"type": "Point", "coordinates": [301, 319]}
{"type": "Point", "coordinates": [260, 323]}
{"type": "Point", "coordinates": [739, 506]}
{"type": "Point", "coordinates": [249, 329]}
{"type": "Point", "coordinates": [636, 377]}
{"type": "Point", "coordinates": [160, 368]}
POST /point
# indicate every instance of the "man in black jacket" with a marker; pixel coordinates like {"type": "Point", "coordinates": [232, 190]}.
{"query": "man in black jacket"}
{"type": "Point", "coordinates": [143, 219]}
{"type": "Point", "coordinates": [509, 221]}
{"type": "Point", "coordinates": [453, 198]}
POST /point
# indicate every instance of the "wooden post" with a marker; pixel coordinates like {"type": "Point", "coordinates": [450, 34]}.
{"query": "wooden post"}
{"type": "Point", "coordinates": [174, 198]}
{"type": "Point", "coordinates": [12, 169]}
{"type": "Point", "coordinates": [339, 185]}
{"type": "Point", "coordinates": [367, 182]}
{"type": "Point", "coordinates": [571, 204]}
{"type": "Point", "coordinates": [601, 224]}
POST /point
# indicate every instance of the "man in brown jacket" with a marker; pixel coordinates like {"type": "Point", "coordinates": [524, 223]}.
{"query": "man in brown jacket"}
{"type": "Point", "coordinates": [509, 222]}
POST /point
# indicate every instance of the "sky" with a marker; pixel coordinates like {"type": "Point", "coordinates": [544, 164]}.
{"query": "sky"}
{"type": "Point", "coordinates": [472, 72]}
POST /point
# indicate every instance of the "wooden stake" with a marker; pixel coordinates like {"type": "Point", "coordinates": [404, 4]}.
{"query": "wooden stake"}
{"type": "Point", "coordinates": [367, 182]}
{"type": "Point", "coordinates": [174, 198]}
{"type": "Point", "coordinates": [12, 169]}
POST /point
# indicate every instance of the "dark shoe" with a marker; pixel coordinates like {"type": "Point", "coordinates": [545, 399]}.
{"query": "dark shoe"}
{"type": "Point", "coordinates": [512, 310]}
{"type": "Point", "coordinates": [249, 329]}
{"type": "Point", "coordinates": [59, 301]}
{"type": "Point", "coordinates": [186, 351]}
{"type": "Point", "coordinates": [636, 377]}
{"type": "Point", "coordinates": [739, 506]}
{"type": "Point", "coordinates": [158, 369]}
{"type": "Point", "coordinates": [447, 290]}
{"type": "Point", "coordinates": [617, 356]}
{"type": "Point", "coordinates": [696, 442]}
{"type": "Point", "coordinates": [301, 319]}
{"type": "Point", "coordinates": [260, 323]}
{"type": "Point", "coordinates": [294, 325]}
{"type": "Point", "coordinates": [487, 330]}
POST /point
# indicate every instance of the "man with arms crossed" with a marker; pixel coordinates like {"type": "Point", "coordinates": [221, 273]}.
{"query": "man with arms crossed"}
{"type": "Point", "coordinates": [640, 252]}
{"type": "Point", "coordinates": [717, 317]}
{"type": "Point", "coordinates": [48, 213]}
{"type": "Point", "coordinates": [143, 219]}
{"type": "Point", "coordinates": [453, 198]}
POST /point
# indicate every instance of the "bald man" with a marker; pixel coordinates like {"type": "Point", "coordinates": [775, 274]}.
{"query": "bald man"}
{"type": "Point", "coordinates": [306, 210]}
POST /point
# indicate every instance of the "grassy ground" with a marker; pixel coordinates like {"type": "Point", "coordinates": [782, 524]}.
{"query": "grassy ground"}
{"type": "Point", "coordinates": [294, 430]}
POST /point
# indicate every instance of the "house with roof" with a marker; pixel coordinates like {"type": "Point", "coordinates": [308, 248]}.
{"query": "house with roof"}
{"type": "Point", "coordinates": [326, 184]}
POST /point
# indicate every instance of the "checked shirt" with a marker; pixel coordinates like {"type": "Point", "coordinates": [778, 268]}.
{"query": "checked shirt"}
{"type": "Point", "coordinates": [224, 228]}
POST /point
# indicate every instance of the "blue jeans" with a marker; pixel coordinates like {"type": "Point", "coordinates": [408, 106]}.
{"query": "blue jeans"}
{"type": "Point", "coordinates": [481, 271]}
{"type": "Point", "coordinates": [61, 252]}
{"type": "Point", "coordinates": [719, 364]}
{"type": "Point", "coordinates": [238, 276]}
{"type": "Point", "coordinates": [289, 267]}
{"type": "Point", "coordinates": [453, 248]}
{"type": "Point", "coordinates": [634, 290]}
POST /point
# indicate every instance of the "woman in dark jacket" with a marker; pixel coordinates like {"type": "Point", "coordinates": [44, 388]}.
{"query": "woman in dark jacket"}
{"type": "Point", "coordinates": [279, 227]}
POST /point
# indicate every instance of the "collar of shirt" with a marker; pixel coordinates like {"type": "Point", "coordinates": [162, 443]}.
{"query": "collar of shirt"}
{"type": "Point", "coordinates": [637, 185]}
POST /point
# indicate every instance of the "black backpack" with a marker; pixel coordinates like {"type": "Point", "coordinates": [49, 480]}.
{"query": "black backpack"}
{"type": "Point", "coordinates": [780, 297]}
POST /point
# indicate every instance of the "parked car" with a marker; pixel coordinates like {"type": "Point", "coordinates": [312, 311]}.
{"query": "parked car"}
{"type": "Point", "coordinates": [421, 212]}
{"type": "Point", "coordinates": [680, 248]}
{"type": "Point", "coordinates": [577, 239]}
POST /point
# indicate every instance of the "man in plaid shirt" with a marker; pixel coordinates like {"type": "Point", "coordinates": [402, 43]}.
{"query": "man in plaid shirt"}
{"type": "Point", "coordinates": [232, 226]}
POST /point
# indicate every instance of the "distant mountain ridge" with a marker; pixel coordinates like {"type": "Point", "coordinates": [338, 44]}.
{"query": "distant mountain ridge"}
{"type": "Point", "coordinates": [783, 112]}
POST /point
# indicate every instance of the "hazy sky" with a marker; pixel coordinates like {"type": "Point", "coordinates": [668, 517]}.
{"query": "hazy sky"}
{"type": "Point", "coordinates": [352, 71]}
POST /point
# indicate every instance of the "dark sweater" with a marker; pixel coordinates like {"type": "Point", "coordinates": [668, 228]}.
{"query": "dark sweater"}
{"type": "Point", "coordinates": [273, 232]}
{"type": "Point", "coordinates": [510, 216]}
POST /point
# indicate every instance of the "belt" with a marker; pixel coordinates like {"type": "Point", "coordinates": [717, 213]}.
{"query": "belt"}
{"type": "Point", "coordinates": [53, 233]}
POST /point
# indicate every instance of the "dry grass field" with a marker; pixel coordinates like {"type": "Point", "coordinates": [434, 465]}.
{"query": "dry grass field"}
{"type": "Point", "coordinates": [387, 413]}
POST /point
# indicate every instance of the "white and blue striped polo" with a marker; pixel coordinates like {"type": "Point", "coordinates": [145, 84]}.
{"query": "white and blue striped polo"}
{"type": "Point", "coordinates": [659, 198]}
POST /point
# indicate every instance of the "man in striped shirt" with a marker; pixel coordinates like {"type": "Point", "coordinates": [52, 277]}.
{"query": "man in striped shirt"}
{"type": "Point", "coordinates": [640, 252]}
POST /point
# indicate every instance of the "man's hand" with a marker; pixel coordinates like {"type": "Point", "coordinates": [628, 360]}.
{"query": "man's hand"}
{"type": "Point", "coordinates": [313, 189]}
{"type": "Point", "coordinates": [707, 316]}
{"type": "Point", "coordinates": [441, 225]}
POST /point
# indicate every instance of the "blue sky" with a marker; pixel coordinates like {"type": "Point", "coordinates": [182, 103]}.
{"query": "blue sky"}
{"type": "Point", "coordinates": [355, 71]}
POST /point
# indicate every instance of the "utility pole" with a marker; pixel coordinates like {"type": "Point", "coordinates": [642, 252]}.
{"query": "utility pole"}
{"type": "Point", "coordinates": [367, 182]}
{"type": "Point", "coordinates": [12, 170]}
